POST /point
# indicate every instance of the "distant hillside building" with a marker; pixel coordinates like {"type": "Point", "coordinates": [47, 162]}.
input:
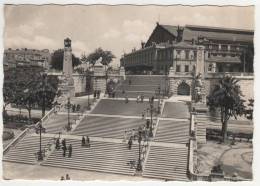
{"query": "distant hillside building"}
{"type": "Point", "coordinates": [26, 57]}
{"type": "Point", "coordinates": [225, 50]}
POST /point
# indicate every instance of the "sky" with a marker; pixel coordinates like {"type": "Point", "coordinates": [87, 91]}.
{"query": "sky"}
{"type": "Point", "coordinates": [115, 28]}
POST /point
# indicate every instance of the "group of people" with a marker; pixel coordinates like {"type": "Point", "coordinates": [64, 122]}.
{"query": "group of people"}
{"type": "Point", "coordinates": [64, 147]}
{"type": "Point", "coordinates": [140, 98]}
{"type": "Point", "coordinates": [66, 178]}
{"type": "Point", "coordinates": [85, 142]}
{"type": "Point", "coordinates": [97, 94]}
{"type": "Point", "coordinates": [75, 108]}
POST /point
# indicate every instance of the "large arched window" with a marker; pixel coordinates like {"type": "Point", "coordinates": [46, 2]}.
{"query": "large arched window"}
{"type": "Point", "coordinates": [183, 89]}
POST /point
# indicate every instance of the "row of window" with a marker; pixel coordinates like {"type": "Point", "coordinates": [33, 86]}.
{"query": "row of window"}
{"type": "Point", "coordinates": [145, 57]}
{"type": "Point", "coordinates": [179, 54]}
{"type": "Point", "coordinates": [223, 47]}
{"type": "Point", "coordinates": [186, 68]}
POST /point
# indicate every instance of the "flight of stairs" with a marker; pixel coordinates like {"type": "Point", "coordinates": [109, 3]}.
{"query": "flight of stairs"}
{"type": "Point", "coordinates": [170, 131]}
{"type": "Point", "coordinates": [107, 127]}
{"type": "Point", "coordinates": [167, 163]}
{"type": "Point", "coordinates": [25, 150]}
{"type": "Point", "coordinates": [101, 156]}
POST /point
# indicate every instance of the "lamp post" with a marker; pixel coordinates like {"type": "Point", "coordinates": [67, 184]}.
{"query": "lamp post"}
{"type": "Point", "coordinates": [139, 164]}
{"type": "Point", "coordinates": [88, 107]}
{"type": "Point", "coordinates": [40, 156]}
{"type": "Point", "coordinates": [44, 78]}
{"type": "Point", "coordinates": [68, 107]}
{"type": "Point", "coordinates": [151, 109]}
{"type": "Point", "coordinates": [158, 93]}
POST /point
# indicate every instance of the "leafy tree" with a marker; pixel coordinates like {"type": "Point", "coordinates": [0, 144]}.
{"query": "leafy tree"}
{"type": "Point", "coordinates": [29, 99]}
{"type": "Point", "coordinates": [107, 56]}
{"type": "Point", "coordinates": [227, 96]}
{"type": "Point", "coordinates": [26, 87]}
{"type": "Point", "coordinates": [46, 91]}
{"type": "Point", "coordinates": [8, 95]}
{"type": "Point", "coordinates": [57, 60]}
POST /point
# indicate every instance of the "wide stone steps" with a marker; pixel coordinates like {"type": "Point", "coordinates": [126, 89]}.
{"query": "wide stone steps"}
{"type": "Point", "coordinates": [171, 131]}
{"type": "Point", "coordinates": [134, 94]}
{"type": "Point", "coordinates": [107, 127]}
{"type": "Point", "coordinates": [58, 122]}
{"type": "Point", "coordinates": [141, 88]}
{"type": "Point", "coordinates": [101, 156]}
{"type": "Point", "coordinates": [26, 149]}
{"type": "Point", "coordinates": [167, 163]}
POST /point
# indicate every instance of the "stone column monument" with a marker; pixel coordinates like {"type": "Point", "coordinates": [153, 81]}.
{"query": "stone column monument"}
{"type": "Point", "coordinates": [67, 58]}
{"type": "Point", "coordinates": [67, 84]}
{"type": "Point", "coordinates": [198, 92]}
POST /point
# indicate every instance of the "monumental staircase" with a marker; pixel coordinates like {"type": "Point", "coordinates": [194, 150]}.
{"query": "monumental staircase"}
{"type": "Point", "coordinates": [145, 85]}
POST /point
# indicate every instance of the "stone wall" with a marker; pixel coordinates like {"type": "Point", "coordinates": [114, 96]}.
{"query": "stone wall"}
{"type": "Point", "coordinates": [79, 83]}
{"type": "Point", "coordinates": [175, 81]}
{"type": "Point", "coordinates": [246, 84]}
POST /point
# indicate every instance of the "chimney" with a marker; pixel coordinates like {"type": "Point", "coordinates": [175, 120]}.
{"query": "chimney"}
{"type": "Point", "coordinates": [179, 33]}
{"type": "Point", "coordinates": [143, 44]}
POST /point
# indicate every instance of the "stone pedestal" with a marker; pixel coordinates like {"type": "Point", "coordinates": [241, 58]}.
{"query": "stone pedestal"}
{"type": "Point", "coordinates": [122, 72]}
{"type": "Point", "coordinates": [99, 79]}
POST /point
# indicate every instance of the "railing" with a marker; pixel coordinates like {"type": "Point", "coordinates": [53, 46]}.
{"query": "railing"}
{"type": "Point", "coordinates": [14, 142]}
{"type": "Point", "coordinates": [221, 74]}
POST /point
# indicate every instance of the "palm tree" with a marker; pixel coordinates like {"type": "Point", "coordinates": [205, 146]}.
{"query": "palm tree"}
{"type": "Point", "coordinates": [227, 96]}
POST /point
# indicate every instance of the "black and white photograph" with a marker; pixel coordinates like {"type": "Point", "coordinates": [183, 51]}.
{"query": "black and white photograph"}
{"type": "Point", "coordinates": [128, 92]}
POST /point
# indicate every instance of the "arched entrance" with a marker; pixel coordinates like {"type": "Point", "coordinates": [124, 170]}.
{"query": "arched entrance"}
{"type": "Point", "coordinates": [183, 89]}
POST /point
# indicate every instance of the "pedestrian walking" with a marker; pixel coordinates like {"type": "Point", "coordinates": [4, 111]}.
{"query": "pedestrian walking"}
{"type": "Point", "coordinates": [126, 99]}
{"type": "Point", "coordinates": [57, 146]}
{"type": "Point", "coordinates": [95, 94]}
{"type": "Point", "coordinates": [142, 98]}
{"type": "Point", "coordinates": [67, 177]}
{"type": "Point", "coordinates": [130, 142]}
{"type": "Point", "coordinates": [70, 150]}
{"type": "Point", "coordinates": [142, 115]}
{"type": "Point", "coordinates": [64, 148]}
{"type": "Point", "coordinates": [63, 142]}
{"type": "Point", "coordinates": [83, 141]}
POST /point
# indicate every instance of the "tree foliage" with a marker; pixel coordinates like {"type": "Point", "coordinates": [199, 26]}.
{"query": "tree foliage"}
{"type": "Point", "coordinates": [107, 56]}
{"type": "Point", "coordinates": [23, 87]}
{"type": "Point", "coordinates": [227, 97]}
{"type": "Point", "coordinates": [57, 60]}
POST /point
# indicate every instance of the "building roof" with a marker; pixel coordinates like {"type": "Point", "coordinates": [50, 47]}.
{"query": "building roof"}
{"type": "Point", "coordinates": [190, 34]}
{"type": "Point", "coordinates": [193, 31]}
{"type": "Point", "coordinates": [170, 28]}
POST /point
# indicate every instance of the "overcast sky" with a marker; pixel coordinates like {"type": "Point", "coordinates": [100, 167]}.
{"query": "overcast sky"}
{"type": "Point", "coordinates": [115, 28]}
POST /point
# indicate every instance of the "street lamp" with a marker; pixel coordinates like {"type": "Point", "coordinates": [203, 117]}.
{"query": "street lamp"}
{"type": "Point", "coordinates": [88, 106]}
{"type": "Point", "coordinates": [151, 109]}
{"type": "Point", "coordinates": [44, 78]}
{"type": "Point", "coordinates": [69, 105]}
{"type": "Point", "coordinates": [158, 94]}
{"type": "Point", "coordinates": [39, 153]}
{"type": "Point", "coordinates": [139, 164]}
